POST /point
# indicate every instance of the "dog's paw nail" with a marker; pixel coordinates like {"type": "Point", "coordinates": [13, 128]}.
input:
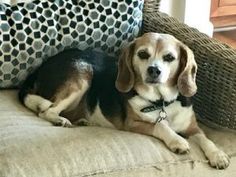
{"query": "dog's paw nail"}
{"type": "Point", "coordinates": [63, 122]}
{"type": "Point", "coordinates": [219, 160]}
{"type": "Point", "coordinates": [179, 146]}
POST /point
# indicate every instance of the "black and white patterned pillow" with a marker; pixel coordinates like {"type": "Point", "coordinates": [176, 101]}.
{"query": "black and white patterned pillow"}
{"type": "Point", "coordinates": [31, 32]}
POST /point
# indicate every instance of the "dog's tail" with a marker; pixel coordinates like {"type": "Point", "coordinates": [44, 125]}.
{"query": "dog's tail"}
{"type": "Point", "coordinates": [27, 87]}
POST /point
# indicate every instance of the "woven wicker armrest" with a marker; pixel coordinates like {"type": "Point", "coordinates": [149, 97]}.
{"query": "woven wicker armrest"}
{"type": "Point", "coordinates": [215, 101]}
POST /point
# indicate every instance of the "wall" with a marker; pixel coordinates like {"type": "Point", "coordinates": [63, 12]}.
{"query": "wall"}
{"type": "Point", "coordinates": [195, 13]}
{"type": "Point", "coordinates": [169, 7]}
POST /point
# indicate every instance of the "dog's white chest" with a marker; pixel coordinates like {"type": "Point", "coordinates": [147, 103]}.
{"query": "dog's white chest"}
{"type": "Point", "coordinates": [177, 116]}
{"type": "Point", "coordinates": [137, 104]}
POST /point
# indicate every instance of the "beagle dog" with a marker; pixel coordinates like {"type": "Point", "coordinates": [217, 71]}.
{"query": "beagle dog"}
{"type": "Point", "coordinates": [148, 91]}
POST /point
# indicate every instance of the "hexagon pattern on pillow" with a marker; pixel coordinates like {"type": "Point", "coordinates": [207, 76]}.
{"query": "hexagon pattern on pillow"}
{"type": "Point", "coordinates": [31, 32]}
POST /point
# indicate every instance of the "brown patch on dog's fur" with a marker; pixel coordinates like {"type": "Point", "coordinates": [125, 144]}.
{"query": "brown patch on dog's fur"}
{"type": "Point", "coordinates": [80, 111]}
{"type": "Point", "coordinates": [117, 122]}
{"type": "Point", "coordinates": [172, 81]}
{"type": "Point", "coordinates": [182, 63]}
{"type": "Point", "coordinates": [125, 77]}
{"type": "Point", "coordinates": [139, 85]}
{"type": "Point", "coordinates": [65, 91]}
{"type": "Point", "coordinates": [186, 81]}
{"type": "Point", "coordinates": [193, 128]}
{"type": "Point", "coordinates": [135, 124]}
{"type": "Point", "coordinates": [74, 84]}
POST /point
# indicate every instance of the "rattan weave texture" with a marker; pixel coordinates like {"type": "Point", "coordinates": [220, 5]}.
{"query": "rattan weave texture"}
{"type": "Point", "coordinates": [215, 101]}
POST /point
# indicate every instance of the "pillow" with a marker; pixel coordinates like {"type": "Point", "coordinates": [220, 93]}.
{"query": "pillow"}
{"type": "Point", "coordinates": [33, 31]}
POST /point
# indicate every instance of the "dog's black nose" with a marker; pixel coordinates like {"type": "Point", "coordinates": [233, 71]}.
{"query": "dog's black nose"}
{"type": "Point", "coordinates": [154, 72]}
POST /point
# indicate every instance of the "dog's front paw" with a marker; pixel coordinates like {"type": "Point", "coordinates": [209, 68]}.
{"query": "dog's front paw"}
{"type": "Point", "coordinates": [219, 159]}
{"type": "Point", "coordinates": [179, 145]}
{"type": "Point", "coordinates": [63, 122]}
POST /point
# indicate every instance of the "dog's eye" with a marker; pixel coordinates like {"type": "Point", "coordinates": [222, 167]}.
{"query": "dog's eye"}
{"type": "Point", "coordinates": [143, 54]}
{"type": "Point", "coordinates": [169, 57]}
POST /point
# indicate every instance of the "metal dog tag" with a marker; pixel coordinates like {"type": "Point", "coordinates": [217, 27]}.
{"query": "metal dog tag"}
{"type": "Point", "coordinates": [162, 115]}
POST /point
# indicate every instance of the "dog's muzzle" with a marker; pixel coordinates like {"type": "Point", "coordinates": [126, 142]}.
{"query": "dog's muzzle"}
{"type": "Point", "coordinates": [153, 74]}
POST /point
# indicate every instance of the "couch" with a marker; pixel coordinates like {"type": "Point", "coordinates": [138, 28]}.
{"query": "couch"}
{"type": "Point", "coordinates": [32, 147]}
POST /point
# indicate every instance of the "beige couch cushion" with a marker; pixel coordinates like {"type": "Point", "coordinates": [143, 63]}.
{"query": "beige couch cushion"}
{"type": "Point", "coordinates": [32, 147]}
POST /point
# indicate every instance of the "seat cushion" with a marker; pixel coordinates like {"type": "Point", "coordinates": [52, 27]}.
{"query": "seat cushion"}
{"type": "Point", "coordinates": [32, 147]}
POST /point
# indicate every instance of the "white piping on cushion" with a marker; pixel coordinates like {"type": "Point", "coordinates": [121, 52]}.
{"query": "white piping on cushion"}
{"type": "Point", "coordinates": [13, 2]}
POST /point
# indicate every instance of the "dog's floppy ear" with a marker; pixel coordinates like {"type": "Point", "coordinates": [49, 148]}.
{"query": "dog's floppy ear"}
{"type": "Point", "coordinates": [125, 77]}
{"type": "Point", "coordinates": [188, 68]}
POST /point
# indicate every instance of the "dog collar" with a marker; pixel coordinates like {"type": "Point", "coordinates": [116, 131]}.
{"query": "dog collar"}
{"type": "Point", "coordinates": [155, 105]}
{"type": "Point", "coordinates": [160, 104]}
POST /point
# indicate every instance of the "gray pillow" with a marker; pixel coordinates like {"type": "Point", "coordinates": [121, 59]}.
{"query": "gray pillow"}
{"type": "Point", "coordinates": [31, 32]}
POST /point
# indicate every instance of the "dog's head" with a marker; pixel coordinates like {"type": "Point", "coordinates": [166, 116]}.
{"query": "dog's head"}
{"type": "Point", "coordinates": [157, 59]}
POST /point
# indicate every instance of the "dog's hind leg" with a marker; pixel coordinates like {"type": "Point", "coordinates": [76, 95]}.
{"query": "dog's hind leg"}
{"type": "Point", "coordinates": [65, 99]}
{"type": "Point", "coordinates": [68, 95]}
{"type": "Point", "coordinates": [36, 103]}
